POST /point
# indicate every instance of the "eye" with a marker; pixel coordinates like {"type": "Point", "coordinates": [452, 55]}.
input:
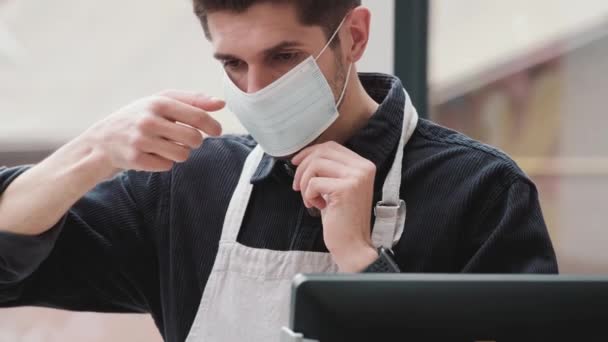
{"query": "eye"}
{"type": "Point", "coordinates": [232, 64]}
{"type": "Point", "coordinates": [285, 56]}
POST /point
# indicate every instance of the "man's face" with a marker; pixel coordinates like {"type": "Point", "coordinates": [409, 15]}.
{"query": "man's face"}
{"type": "Point", "coordinates": [258, 46]}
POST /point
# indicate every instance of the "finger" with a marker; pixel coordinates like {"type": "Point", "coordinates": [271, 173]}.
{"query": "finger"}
{"type": "Point", "coordinates": [305, 164]}
{"type": "Point", "coordinates": [198, 100]}
{"type": "Point", "coordinates": [185, 135]}
{"type": "Point", "coordinates": [152, 163]}
{"type": "Point", "coordinates": [177, 111]}
{"type": "Point", "coordinates": [319, 167]}
{"type": "Point", "coordinates": [156, 126]}
{"type": "Point", "coordinates": [300, 156]}
{"type": "Point", "coordinates": [328, 150]}
{"type": "Point", "coordinates": [163, 148]}
{"type": "Point", "coordinates": [319, 191]}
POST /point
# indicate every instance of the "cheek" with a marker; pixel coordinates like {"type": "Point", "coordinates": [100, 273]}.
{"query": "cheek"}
{"type": "Point", "coordinates": [333, 65]}
{"type": "Point", "coordinates": [337, 79]}
{"type": "Point", "coordinates": [327, 63]}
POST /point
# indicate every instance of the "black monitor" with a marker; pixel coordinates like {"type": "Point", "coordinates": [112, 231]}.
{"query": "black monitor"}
{"type": "Point", "coordinates": [424, 307]}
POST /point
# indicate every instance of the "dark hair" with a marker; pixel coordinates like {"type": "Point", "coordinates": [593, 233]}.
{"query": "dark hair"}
{"type": "Point", "coordinates": [325, 13]}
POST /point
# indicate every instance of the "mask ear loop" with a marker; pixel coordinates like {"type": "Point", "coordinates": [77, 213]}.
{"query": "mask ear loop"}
{"type": "Point", "coordinates": [350, 67]}
{"type": "Point", "coordinates": [331, 39]}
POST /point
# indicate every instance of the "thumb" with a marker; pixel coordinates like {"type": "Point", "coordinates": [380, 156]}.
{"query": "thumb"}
{"type": "Point", "coordinates": [198, 100]}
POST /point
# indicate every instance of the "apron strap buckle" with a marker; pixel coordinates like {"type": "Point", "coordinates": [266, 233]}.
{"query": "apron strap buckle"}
{"type": "Point", "coordinates": [388, 227]}
{"type": "Point", "coordinates": [385, 209]}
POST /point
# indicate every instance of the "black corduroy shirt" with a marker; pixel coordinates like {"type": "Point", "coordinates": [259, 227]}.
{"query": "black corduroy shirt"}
{"type": "Point", "coordinates": [146, 242]}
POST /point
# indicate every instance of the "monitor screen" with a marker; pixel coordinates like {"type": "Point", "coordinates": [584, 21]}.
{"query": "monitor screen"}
{"type": "Point", "coordinates": [424, 307]}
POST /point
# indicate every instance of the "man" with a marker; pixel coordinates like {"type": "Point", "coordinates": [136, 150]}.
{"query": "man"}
{"type": "Point", "coordinates": [337, 172]}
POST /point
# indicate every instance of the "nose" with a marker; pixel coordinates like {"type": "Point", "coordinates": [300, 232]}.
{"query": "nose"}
{"type": "Point", "coordinates": [258, 79]}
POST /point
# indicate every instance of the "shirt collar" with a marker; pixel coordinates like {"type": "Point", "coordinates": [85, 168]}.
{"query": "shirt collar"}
{"type": "Point", "coordinates": [377, 140]}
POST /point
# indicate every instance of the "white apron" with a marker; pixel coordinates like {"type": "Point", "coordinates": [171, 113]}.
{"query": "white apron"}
{"type": "Point", "coordinates": [248, 292]}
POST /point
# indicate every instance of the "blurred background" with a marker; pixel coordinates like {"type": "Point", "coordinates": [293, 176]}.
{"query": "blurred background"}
{"type": "Point", "coordinates": [526, 76]}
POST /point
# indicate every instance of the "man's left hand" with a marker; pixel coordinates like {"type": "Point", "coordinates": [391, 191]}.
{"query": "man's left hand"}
{"type": "Point", "coordinates": [340, 183]}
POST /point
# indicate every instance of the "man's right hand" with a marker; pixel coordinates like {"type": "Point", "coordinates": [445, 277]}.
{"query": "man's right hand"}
{"type": "Point", "coordinates": [153, 133]}
{"type": "Point", "coordinates": [148, 135]}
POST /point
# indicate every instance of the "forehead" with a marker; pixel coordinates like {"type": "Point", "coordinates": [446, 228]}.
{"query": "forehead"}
{"type": "Point", "coordinates": [260, 26]}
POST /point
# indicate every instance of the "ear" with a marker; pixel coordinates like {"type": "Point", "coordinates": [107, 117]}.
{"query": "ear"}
{"type": "Point", "coordinates": [357, 35]}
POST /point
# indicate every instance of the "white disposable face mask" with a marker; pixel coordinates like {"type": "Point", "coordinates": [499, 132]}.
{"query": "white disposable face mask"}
{"type": "Point", "coordinates": [292, 111]}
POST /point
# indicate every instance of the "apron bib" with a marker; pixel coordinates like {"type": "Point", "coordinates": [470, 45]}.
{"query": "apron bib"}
{"type": "Point", "coordinates": [247, 295]}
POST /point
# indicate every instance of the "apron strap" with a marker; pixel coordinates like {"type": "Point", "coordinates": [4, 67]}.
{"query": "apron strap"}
{"type": "Point", "coordinates": [240, 198]}
{"type": "Point", "coordinates": [390, 212]}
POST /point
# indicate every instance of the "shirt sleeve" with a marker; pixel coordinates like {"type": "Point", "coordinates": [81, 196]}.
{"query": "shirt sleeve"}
{"type": "Point", "coordinates": [100, 256]}
{"type": "Point", "coordinates": [512, 236]}
{"type": "Point", "coordinates": [21, 255]}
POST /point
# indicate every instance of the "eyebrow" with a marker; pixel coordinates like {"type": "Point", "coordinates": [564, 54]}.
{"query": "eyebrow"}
{"type": "Point", "coordinates": [270, 51]}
